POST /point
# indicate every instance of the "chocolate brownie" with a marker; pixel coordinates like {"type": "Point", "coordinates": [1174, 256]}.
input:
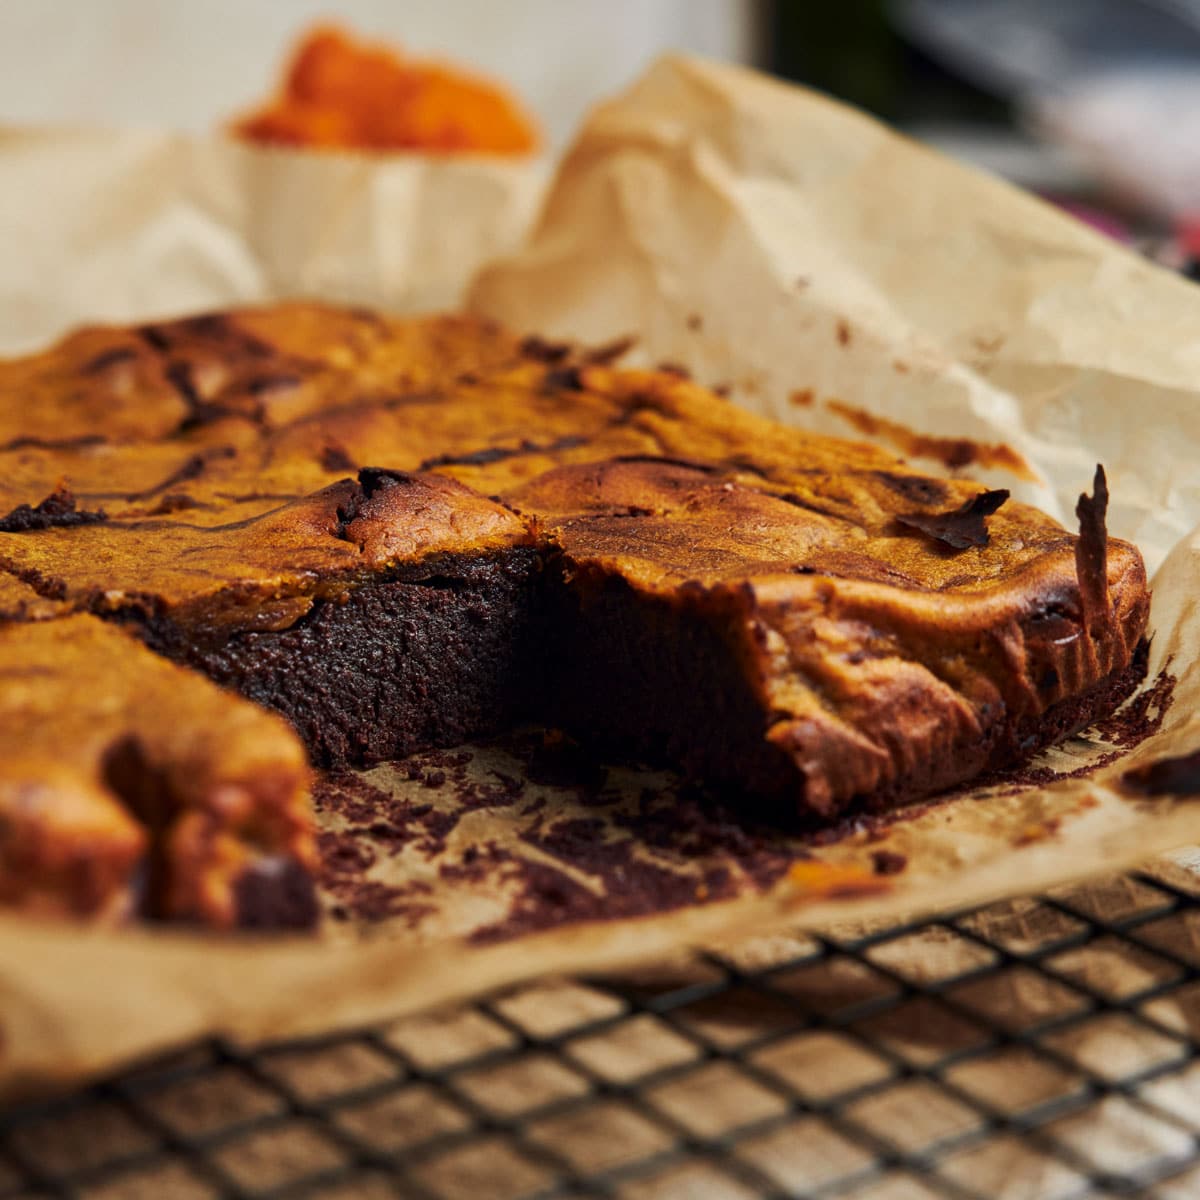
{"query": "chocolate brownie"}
{"type": "Point", "coordinates": [130, 785]}
{"type": "Point", "coordinates": [405, 533]}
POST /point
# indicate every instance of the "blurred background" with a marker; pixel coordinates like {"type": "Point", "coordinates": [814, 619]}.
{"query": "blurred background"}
{"type": "Point", "coordinates": [192, 64]}
{"type": "Point", "coordinates": [1091, 102]}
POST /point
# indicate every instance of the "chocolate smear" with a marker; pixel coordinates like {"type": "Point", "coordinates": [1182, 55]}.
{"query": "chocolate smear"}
{"type": "Point", "coordinates": [57, 510]}
{"type": "Point", "coordinates": [962, 527]}
{"type": "Point", "coordinates": [1178, 776]}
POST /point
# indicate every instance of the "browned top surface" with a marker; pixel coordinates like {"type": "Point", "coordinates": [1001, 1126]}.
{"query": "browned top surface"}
{"type": "Point", "coordinates": [264, 366]}
{"type": "Point", "coordinates": [219, 447]}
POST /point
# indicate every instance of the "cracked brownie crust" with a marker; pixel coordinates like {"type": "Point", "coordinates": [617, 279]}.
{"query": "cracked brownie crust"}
{"type": "Point", "coordinates": [401, 534]}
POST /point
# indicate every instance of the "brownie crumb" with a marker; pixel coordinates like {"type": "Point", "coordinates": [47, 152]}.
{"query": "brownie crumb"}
{"type": "Point", "coordinates": [276, 895]}
{"type": "Point", "coordinates": [57, 511]}
{"type": "Point", "coordinates": [342, 855]}
{"type": "Point", "coordinates": [1143, 716]}
{"type": "Point", "coordinates": [962, 527]}
{"type": "Point", "coordinates": [558, 760]}
{"type": "Point", "coordinates": [888, 862]}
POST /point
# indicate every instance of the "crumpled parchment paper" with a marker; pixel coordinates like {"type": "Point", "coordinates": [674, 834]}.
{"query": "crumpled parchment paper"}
{"type": "Point", "coordinates": [832, 274]}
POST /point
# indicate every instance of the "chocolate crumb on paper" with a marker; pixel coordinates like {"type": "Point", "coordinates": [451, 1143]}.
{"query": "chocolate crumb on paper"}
{"type": "Point", "coordinates": [533, 831]}
{"type": "Point", "coordinates": [888, 862]}
{"type": "Point", "coordinates": [554, 839]}
{"type": "Point", "coordinates": [1178, 776]}
{"type": "Point", "coordinates": [1142, 715]}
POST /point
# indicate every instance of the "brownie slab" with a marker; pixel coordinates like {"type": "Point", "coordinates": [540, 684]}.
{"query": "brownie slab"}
{"type": "Point", "coordinates": [403, 534]}
{"type": "Point", "coordinates": [799, 655]}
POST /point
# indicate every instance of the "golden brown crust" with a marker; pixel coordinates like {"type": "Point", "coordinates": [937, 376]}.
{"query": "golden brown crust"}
{"type": "Point", "coordinates": [264, 367]}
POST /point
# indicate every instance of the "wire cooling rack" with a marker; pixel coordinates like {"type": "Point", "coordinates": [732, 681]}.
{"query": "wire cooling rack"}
{"type": "Point", "coordinates": [1036, 1049]}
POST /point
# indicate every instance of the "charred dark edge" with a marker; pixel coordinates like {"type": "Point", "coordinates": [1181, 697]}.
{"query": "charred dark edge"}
{"type": "Point", "coordinates": [1091, 554]}
{"type": "Point", "coordinates": [58, 510]}
{"type": "Point", "coordinates": [960, 528]}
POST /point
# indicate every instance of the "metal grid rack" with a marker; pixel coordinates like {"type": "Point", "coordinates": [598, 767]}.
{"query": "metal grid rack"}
{"type": "Point", "coordinates": [1043, 1048]}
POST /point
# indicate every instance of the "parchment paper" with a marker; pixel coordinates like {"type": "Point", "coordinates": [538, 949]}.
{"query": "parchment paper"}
{"type": "Point", "coordinates": [766, 238]}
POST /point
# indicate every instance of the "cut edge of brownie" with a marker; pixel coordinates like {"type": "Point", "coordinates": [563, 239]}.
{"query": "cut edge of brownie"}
{"type": "Point", "coordinates": [428, 655]}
